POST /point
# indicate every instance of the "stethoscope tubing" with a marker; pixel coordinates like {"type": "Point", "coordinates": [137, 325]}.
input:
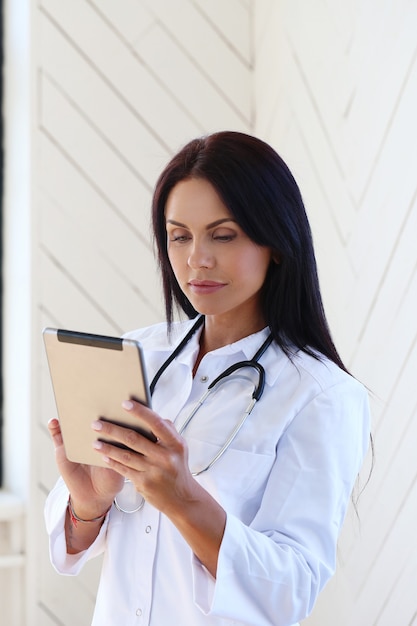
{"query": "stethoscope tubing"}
{"type": "Point", "coordinates": [256, 395]}
{"type": "Point", "coordinates": [253, 362]}
{"type": "Point", "coordinates": [175, 353]}
{"type": "Point", "coordinates": [230, 438]}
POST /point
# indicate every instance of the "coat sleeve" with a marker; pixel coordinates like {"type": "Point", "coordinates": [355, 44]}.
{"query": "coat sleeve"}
{"type": "Point", "coordinates": [272, 571]}
{"type": "Point", "coordinates": [55, 511]}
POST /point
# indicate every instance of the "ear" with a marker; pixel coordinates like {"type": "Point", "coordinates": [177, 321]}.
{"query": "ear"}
{"type": "Point", "coordinates": [276, 259]}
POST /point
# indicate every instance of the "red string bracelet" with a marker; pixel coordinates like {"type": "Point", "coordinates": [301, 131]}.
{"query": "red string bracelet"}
{"type": "Point", "coordinates": [75, 519]}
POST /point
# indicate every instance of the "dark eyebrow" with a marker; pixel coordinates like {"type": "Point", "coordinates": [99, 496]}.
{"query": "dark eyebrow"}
{"type": "Point", "coordinates": [211, 225]}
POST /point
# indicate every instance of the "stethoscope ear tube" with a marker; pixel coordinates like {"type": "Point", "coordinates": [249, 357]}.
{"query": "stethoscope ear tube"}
{"type": "Point", "coordinates": [175, 353]}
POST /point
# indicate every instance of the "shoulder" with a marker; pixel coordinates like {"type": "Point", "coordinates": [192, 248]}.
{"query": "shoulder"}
{"type": "Point", "coordinates": [154, 332]}
{"type": "Point", "coordinates": [332, 406]}
{"type": "Point", "coordinates": [322, 376]}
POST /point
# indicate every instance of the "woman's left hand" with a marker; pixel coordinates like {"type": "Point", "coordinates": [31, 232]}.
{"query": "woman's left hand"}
{"type": "Point", "coordinates": [158, 470]}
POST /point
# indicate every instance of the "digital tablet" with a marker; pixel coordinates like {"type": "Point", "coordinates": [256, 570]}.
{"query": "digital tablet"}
{"type": "Point", "coordinates": [91, 376]}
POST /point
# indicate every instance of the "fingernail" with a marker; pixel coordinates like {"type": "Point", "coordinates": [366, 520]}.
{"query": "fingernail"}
{"type": "Point", "coordinates": [97, 444]}
{"type": "Point", "coordinates": [127, 404]}
{"type": "Point", "coordinates": [97, 425]}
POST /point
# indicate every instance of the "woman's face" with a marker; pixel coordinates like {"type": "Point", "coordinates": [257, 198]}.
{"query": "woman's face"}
{"type": "Point", "coordinates": [217, 266]}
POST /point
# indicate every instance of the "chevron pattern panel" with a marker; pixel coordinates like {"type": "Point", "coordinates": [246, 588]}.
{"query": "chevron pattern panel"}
{"type": "Point", "coordinates": [336, 93]}
{"type": "Point", "coordinates": [120, 86]}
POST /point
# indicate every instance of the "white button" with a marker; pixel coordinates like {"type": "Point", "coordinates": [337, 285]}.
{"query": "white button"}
{"type": "Point", "coordinates": [204, 379]}
{"type": "Point", "coordinates": [139, 612]}
{"type": "Point", "coordinates": [148, 529]}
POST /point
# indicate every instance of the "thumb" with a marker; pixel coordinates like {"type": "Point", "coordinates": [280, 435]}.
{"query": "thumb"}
{"type": "Point", "coordinates": [55, 432]}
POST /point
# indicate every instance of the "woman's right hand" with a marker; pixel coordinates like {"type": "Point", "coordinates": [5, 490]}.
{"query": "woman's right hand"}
{"type": "Point", "coordinates": [92, 488]}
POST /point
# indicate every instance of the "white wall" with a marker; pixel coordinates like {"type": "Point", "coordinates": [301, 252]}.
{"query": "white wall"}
{"type": "Point", "coordinates": [119, 87]}
{"type": "Point", "coordinates": [336, 94]}
{"type": "Point", "coordinates": [112, 88]}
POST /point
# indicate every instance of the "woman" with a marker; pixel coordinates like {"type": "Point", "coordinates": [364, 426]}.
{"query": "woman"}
{"type": "Point", "coordinates": [248, 538]}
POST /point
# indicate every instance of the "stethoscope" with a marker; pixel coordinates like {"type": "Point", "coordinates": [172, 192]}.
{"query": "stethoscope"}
{"type": "Point", "coordinates": [132, 500]}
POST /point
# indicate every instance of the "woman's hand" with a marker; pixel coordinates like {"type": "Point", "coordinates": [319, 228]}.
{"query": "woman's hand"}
{"type": "Point", "coordinates": [159, 470]}
{"type": "Point", "coordinates": [160, 473]}
{"type": "Point", "coordinates": [92, 488]}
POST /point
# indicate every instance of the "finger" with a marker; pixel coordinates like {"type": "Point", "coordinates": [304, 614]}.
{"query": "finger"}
{"type": "Point", "coordinates": [164, 430]}
{"type": "Point", "coordinates": [122, 435]}
{"type": "Point", "coordinates": [53, 425]}
{"type": "Point", "coordinates": [55, 432]}
{"type": "Point", "coordinates": [122, 460]}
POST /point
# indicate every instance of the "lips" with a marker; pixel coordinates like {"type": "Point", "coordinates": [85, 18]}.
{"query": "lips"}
{"type": "Point", "coordinates": [205, 286]}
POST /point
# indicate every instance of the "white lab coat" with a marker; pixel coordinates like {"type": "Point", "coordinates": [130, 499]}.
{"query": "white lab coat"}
{"type": "Point", "coordinates": [285, 484]}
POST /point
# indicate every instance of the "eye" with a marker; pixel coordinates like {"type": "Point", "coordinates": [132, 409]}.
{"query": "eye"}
{"type": "Point", "coordinates": [224, 235]}
{"type": "Point", "coordinates": [178, 235]}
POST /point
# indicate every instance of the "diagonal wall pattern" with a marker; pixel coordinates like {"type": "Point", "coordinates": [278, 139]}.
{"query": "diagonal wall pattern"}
{"type": "Point", "coordinates": [339, 103]}
{"type": "Point", "coordinates": [117, 88]}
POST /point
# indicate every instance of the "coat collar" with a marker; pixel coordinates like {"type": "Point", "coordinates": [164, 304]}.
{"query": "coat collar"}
{"type": "Point", "coordinates": [273, 360]}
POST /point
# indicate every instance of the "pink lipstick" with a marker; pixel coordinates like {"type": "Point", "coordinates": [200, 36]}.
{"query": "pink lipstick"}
{"type": "Point", "coordinates": [205, 287]}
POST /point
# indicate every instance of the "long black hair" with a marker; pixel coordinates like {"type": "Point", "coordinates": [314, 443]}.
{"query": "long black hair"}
{"type": "Point", "coordinates": [260, 192]}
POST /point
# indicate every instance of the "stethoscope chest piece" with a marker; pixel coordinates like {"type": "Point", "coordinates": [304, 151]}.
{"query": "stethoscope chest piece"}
{"type": "Point", "coordinates": [129, 500]}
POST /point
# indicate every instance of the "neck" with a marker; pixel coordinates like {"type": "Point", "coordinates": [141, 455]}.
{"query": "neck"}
{"type": "Point", "coordinates": [217, 334]}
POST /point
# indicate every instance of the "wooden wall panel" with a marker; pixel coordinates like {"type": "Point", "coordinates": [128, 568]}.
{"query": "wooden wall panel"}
{"type": "Point", "coordinates": [342, 114]}
{"type": "Point", "coordinates": [119, 87]}
{"type": "Point", "coordinates": [122, 85]}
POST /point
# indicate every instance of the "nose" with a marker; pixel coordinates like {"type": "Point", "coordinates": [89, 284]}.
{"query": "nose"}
{"type": "Point", "coordinates": [200, 256]}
